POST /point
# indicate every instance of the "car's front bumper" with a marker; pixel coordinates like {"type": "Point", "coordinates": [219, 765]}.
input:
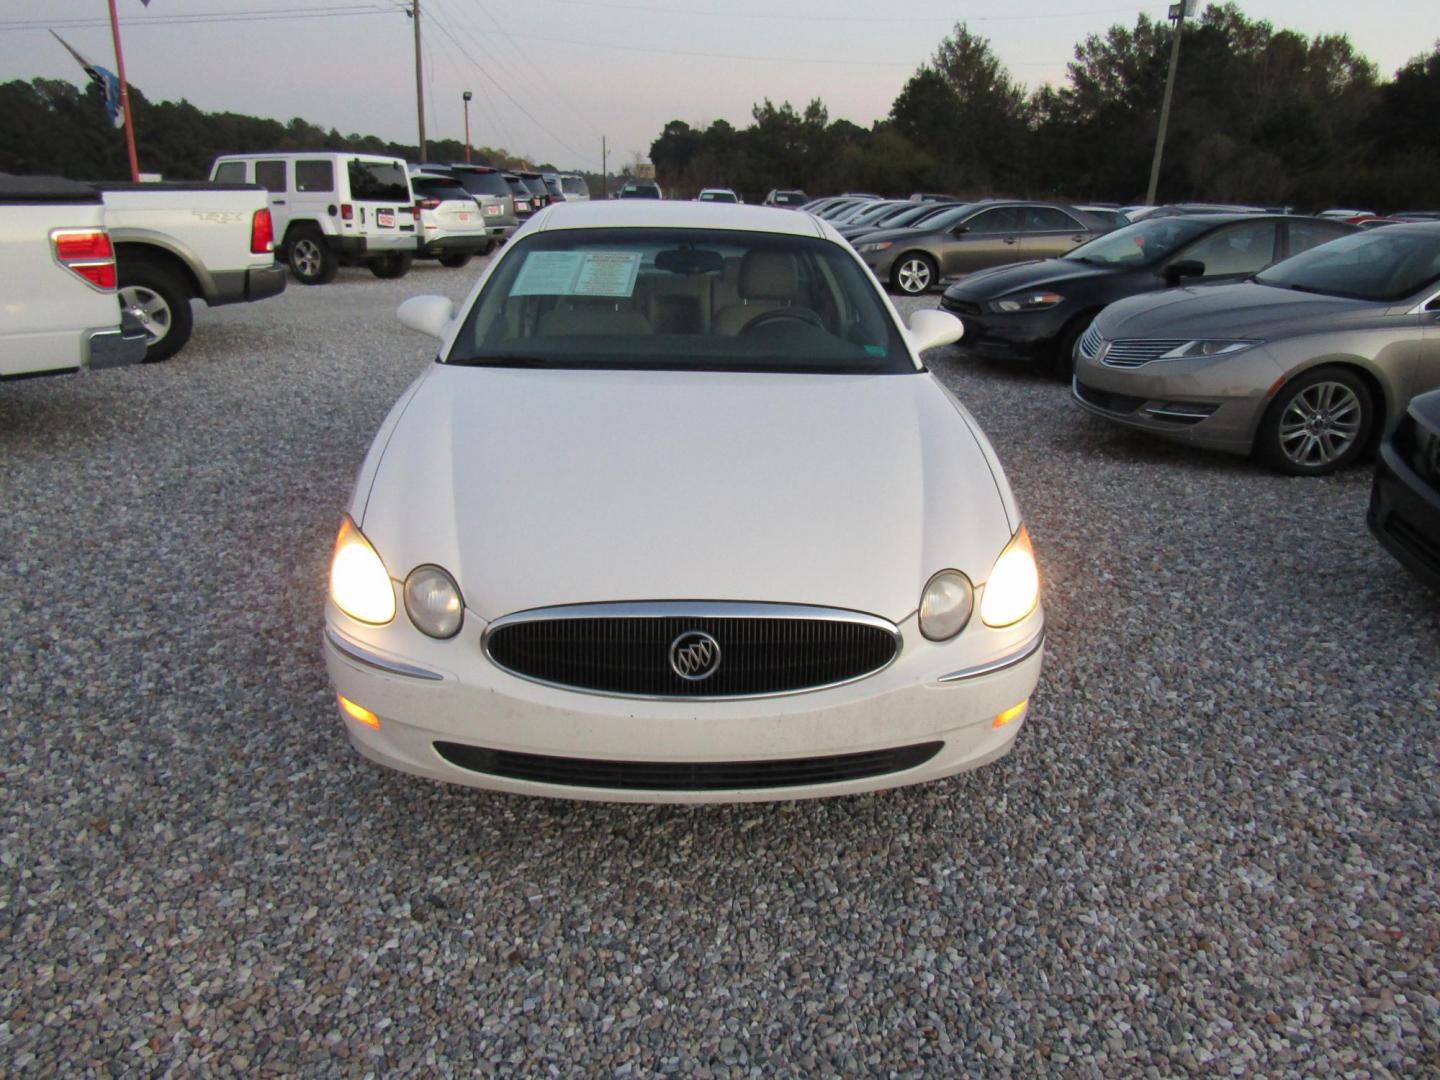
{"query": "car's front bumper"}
{"type": "Point", "coordinates": [1212, 402]}
{"type": "Point", "coordinates": [1404, 515]}
{"type": "Point", "coordinates": [475, 704]}
{"type": "Point", "coordinates": [1022, 336]}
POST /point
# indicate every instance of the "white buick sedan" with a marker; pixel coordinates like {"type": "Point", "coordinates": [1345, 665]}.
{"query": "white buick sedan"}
{"type": "Point", "coordinates": [678, 515]}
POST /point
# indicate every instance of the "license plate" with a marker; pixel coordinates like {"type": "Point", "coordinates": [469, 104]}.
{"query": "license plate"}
{"type": "Point", "coordinates": [464, 216]}
{"type": "Point", "coordinates": [494, 211]}
{"type": "Point", "coordinates": [385, 219]}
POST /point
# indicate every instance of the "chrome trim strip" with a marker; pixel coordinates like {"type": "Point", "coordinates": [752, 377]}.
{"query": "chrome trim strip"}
{"type": "Point", "coordinates": [1020, 655]}
{"type": "Point", "coordinates": [712, 609]}
{"type": "Point", "coordinates": [351, 651]}
{"type": "Point", "coordinates": [1174, 414]}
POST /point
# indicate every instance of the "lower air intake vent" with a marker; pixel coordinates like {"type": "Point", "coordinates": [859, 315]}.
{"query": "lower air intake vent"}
{"type": "Point", "coordinates": [685, 776]}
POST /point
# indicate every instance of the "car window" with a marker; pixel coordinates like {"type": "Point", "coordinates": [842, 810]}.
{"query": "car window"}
{"type": "Point", "coordinates": [574, 185]}
{"type": "Point", "coordinates": [998, 219]}
{"type": "Point", "coordinates": [1305, 235]}
{"type": "Point", "coordinates": [381, 181]}
{"type": "Point", "coordinates": [482, 183]}
{"type": "Point", "coordinates": [439, 188]}
{"type": "Point", "coordinates": [1138, 244]}
{"type": "Point", "coordinates": [1379, 265]}
{"type": "Point", "coordinates": [680, 299]}
{"type": "Point", "coordinates": [1236, 249]}
{"type": "Point", "coordinates": [230, 172]}
{"type": "Point", "coordinates": [271, 175]}
{"type": "Point", "coordinates": [1047, 219]}
{"type": "Point", "coordinates": [314, 176]}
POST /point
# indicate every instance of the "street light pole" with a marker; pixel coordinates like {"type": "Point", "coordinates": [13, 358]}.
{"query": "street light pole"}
{"type": "Point", "coordinates": [1177, 16]}
{"type": "Point", "coordinates": [466, 98]}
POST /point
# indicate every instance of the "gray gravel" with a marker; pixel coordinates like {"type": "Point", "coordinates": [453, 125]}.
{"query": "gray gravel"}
{"type": "Point", "coordinates": [1212, 852]}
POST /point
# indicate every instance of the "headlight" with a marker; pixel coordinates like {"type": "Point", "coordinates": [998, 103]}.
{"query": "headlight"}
{"type": "Point", "coordinates": [1207, 347]}
{"type": "Point", "coordinates": [433, 602]}
{"type": "Point", "coordinates": [1013, 588]}
{"type": "Point", "coordinates": [359, 584]}
{"type": "Point", "coordinates": [945, 605]}
{"type": "Point", "coordinates": [879, 245]}
{"type": "Point", "coordinates": [1038, 301]}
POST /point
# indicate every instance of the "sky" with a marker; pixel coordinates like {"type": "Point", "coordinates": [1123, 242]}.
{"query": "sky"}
{"type": "Point", "coordinates": [550, 77]}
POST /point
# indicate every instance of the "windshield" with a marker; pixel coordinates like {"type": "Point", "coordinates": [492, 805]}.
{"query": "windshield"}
{"type": "Point", "coordinates": [1141, 243]}
{"type": "Point", "coordinates": [1383, 265]}
{"type": "Point", "coordinates": [719, 196]}
{"type": "Point", "coordinates": [789, 198]}
{"type": "Point", "coordinates": [681, 300]}
{"type": "Point", "coordinates": [574, 185]}
{"type": "Point", "coordinates": [944, 216]}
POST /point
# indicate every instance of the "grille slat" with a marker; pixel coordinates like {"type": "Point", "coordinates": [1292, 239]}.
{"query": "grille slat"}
{"type": "Point", "coordinates": [686, 775]}
{"type": "Point", "coordinates": [1133, 352]}
{"type": "Point", "coordinates": [629, 654]}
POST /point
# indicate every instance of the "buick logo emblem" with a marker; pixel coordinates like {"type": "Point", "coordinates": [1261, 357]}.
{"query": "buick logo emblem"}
{"type": "Point", "coordinates": [694, 656]}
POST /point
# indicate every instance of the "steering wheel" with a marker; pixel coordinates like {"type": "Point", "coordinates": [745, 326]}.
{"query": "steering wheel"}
{"type": "Point", "coordinates": [804, 315]}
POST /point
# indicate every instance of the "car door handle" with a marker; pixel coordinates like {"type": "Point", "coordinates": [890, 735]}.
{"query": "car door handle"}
{"type": "Point", "coordinates": [277, 202]}
{"type": "Point", "coordinates": [1011, 240]}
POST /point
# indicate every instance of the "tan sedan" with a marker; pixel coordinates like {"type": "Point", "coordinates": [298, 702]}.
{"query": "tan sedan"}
{"type": "Point", "coordinates": [974, 236]}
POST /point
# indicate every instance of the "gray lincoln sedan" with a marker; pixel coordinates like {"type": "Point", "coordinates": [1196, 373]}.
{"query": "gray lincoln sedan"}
{"type": "Point", "coordinates": [1304, 365]}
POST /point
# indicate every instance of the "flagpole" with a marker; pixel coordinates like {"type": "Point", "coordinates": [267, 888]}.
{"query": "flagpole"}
{"type": "Point", "coordinates": [124, 95]}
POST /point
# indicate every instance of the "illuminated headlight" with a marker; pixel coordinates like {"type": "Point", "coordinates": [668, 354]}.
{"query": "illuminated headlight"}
{"type": "Point", "coordinates": [879, 245]}
{"type": "Point", "coordinates": [433, 602]}
{"type": "Point", "coordinates": [945, 605]}
{"type": "Point", "coordinates": [359, 583]}
{"type": "Point", "coordinates": [1207, 347]}
{"type": "Point", "coordinates": [1013, 588]}
{"type": "Point", "coordinates": [1038, 301]}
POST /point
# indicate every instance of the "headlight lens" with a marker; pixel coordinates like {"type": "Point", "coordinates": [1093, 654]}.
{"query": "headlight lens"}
{"type": "Point", "coordinates": [1037, 301]}
{"type": "Point", "coordinates": [359, 584]}
{"type": "Point", "coordinates": [945, 605]}
{"type": "Point", "coordinates": [1207, 347]}
{"type": "Point", "coordinates": [1013, 589]}
{"type": "Point", "coordinates": [433, 602]}
{"type": "Point", "coordinates": [879, 245]}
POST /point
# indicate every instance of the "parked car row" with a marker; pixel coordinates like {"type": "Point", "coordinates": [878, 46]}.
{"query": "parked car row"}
{"type": "Point", "coordinates": [343, 209]}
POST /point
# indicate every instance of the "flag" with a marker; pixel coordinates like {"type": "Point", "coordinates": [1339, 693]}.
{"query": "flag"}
{"type": "Point", "coordinates": [108, 82]}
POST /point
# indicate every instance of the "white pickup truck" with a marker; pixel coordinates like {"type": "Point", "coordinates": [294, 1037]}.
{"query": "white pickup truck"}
{"type": "Point", "coordinates": [175, 242]}
{"type": "Point", "coordinates": [57, 277]}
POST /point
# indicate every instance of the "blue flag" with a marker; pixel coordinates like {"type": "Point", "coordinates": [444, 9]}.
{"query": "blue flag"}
{"type": "Point", "coordinates": [107, 81]}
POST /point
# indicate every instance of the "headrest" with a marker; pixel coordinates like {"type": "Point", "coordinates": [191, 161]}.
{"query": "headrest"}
{"type": "Point", "coordinates": [769, 275]}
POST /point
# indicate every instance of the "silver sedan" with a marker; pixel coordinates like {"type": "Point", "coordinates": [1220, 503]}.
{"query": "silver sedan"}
{"type": "Point", "coordinates": [1304, 365]}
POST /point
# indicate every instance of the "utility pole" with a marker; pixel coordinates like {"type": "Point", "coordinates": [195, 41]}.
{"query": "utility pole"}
{"type": "Point", "coordinates": [604, 172]}
{"type": "Point", "coordinates": [124, 96]}
{"type": "Point", "coordinates": [419, 79]}
{"type": "Point", "coordinates": [1177, 16]}
{"type": "Point", "coordinates": [465, 97]}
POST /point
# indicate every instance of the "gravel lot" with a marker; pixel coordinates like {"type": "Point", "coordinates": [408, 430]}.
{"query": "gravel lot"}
{"type": "Point", "coordinates": [1212, 851]}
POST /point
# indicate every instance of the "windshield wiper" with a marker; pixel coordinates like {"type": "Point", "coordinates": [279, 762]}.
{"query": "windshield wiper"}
{"type": "Point", "coordinates": [504, 360]}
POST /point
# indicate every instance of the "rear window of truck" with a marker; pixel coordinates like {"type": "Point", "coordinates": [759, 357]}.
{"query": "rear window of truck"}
{"type": "Point", "coordinates": [378, 181]}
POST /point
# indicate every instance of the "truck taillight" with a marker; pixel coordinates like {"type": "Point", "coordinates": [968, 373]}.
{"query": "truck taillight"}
{"type": "Point", "coordinates": [262, 233]}
{"type": "Point", "coordinates": [347, 211]}
{"type": "Point", "coordinates": [87, 253]}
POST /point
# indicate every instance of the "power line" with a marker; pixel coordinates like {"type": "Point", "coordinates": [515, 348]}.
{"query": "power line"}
{"type": "Point", "coordinates": [258, 15]}
{"type": "Point", "coordinates": [526, 112]}
{"type": "Point", "coordinates": [827, 18]}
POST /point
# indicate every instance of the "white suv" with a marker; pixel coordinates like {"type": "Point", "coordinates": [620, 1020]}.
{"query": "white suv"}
{"type": "Point", "coordinates": [452, 221]}
{"type": "Point", "coordinates": [333, 209]}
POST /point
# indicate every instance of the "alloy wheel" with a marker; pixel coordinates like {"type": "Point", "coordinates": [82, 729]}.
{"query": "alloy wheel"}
{"type": "Point", "coordinates": [913, 276]}
{"type": "Point", "coordinates": [306, 258]}
{"type": "Point", "coordinates": [1320, 424]}
{"type": "Point", "coordinates": [150, 308]}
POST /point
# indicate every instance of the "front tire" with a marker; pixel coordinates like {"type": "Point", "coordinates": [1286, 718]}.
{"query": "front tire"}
{"type": "Point", "coordinates": [913, 274]}
{"type": "Point", "coordinates": [1318, 423]}
{"type": "Point", "coordinates": [310, 259]}
{"type": "Point", "coordinates": [388, 267]}
{"type": "Point", "coordinates": [156, 296]}
{"type": "Point", "coordinates": [455, 262]}
{"type": "Point", "coordinates": [1064, 362]}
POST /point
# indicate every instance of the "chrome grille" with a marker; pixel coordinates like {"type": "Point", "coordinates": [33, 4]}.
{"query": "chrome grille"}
{"type": "Point", "coordinates": [1090, 342]}
{"type": "Point", "coordinates": [624, 650]}
{"type": "Point", "coordinates": [1132, 352]}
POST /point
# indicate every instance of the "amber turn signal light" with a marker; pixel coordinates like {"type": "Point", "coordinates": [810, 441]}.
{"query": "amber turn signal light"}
{"type": "Point", "coordinates": [1015, 712]}
{"type": "Point", "coordinates": [358, 713]}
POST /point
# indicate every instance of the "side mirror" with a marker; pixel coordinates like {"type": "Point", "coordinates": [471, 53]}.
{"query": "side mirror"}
{"type": "Point", "coordinates": [429, 314]}
{"type": "Point", "coordinates": [1183, 269]}
{"type": "Point", "coordinates": [959, 230]}
{"type": "Point", "coordinates": [931, 328]}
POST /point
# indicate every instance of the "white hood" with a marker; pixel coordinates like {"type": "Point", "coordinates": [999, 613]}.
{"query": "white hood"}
{"type": "Point", "coordinates": [542, 487]}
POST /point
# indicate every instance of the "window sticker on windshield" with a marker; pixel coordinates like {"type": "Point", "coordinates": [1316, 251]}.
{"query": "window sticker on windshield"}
{"type": "Point", "coordinates": [577, 273]}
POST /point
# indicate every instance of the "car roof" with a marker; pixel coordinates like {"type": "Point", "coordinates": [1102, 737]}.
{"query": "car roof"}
{"type": "Point", "coordinates": [632, 214]}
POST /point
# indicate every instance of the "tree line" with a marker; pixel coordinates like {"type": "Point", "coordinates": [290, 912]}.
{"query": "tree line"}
{"type": "Point", "coordinates": [1260, 116]}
